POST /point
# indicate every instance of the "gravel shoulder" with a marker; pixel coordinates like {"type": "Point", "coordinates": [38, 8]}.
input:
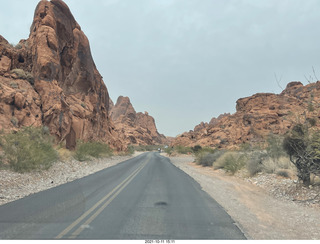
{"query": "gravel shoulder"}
{"type": "Point", "coordinates": [14, 186]}
{"type": "Point", "coordinates": [256, 205]}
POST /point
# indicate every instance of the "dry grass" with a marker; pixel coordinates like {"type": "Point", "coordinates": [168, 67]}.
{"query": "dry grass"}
{"type": "Point", "coordinates": [230, 161]}
{"type": "Point", "coordinates": [271, 166]}
{"type": "Point", "coordinates": [65, 154]}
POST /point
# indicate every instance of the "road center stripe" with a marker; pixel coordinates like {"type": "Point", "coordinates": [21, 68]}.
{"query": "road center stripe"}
{"type": "Point", "coordinates": [111, 194]}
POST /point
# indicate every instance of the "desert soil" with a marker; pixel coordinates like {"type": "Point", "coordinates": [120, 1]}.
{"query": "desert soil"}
{"type": "Point", "coordinates": [264, 207]}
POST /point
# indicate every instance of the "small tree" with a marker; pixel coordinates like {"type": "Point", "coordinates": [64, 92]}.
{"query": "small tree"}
{"type": "Point", "coordinates": [302, 144]}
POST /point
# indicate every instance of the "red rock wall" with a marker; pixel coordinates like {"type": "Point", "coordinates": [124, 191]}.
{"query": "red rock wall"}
{"type": "Point", "coordinates": [138, 128]}
{"type": "Point", "coordinates": [256, 117]}
{"type": "Point", "coordinates": [69, 94]}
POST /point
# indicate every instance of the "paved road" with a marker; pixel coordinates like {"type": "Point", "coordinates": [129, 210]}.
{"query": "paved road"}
{"type": "Point", "coordinates": [146, 197]}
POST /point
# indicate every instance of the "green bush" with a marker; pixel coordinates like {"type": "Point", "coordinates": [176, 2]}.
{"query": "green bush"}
{"type": "Point", "coordinates": [234, 163]}
{"type": "Point", "coordinates": [207, 158]}
{"type": "Point", "coordinates": [246, 146]}
{"type": "Point", "coordinates": [87, 150]}
{"type": "Point", "coordinates": [230, 161]}
{"type": "Point", "coordinates": [182, 149]}
{"type": "Point", "coordinates": [274, 148]}
{"type": "Point", "coordinates": [196, 148]}
{"type": "Point", "coordinates": [28, 149]}
{"type": "Point", "coordinates": [207, 150]}
{"type": "Point", "coordinates": [254, 163]}
{"type": "Point", "coordinates": [130, 150]}
{"type": "Point", "coordinates": [169, 150]}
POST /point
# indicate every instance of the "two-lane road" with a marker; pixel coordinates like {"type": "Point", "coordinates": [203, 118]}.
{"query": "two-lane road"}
{"type": "Point", "coordinates": [142, 198]}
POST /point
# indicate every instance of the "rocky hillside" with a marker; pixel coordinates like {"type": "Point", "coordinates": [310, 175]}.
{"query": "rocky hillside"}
{"type": "Point", "coordinates": [138, 128]}
{"type": "Point", "coordinates": [50, 79]}
{"type": "Point", "coordinates": [256, 117]}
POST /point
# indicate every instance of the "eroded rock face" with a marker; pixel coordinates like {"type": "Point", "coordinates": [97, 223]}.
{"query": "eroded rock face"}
{"type": "Point", "coordinates": [256, 117]}
{"type": "Point", "coordinates": [67, 92]}
{"type": "Point", "coordinates": [138, 128]}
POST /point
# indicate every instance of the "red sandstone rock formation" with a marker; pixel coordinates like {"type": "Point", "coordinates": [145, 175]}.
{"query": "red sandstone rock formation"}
{"type": "Point", "coordinates": [138, 128]}
{"type": "Point", "coordinates": [256, 117]}
{"type": "Point", "coordinates": [51, 79]}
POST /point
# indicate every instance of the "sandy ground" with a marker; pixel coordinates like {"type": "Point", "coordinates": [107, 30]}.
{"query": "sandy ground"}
{"type": "Point", "coordinates": [258, 214]}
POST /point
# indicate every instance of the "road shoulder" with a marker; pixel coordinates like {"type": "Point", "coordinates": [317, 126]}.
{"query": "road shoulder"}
{"type": "Point", "coordinates": [258, 214]}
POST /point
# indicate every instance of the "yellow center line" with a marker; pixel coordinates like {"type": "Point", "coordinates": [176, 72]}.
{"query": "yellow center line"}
{"type": "Point", "coordinates": [80, 229]}
{"type": "Point", "coordinates": [122, 185]}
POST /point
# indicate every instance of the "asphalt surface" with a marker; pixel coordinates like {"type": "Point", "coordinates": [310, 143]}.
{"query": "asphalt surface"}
{"type": "Point", "coordinates": [145, 198]}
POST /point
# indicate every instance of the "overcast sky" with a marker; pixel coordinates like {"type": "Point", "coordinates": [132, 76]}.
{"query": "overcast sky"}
{"type": "Point", "coordinates": [186, 61]}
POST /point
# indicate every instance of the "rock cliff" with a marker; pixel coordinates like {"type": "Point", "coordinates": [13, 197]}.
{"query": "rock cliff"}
{"type": "Point", "coordinates": [256, 117]}
{"type": "Point", "coordinates": [138, 128]}
{"type": "Point", "coordinates": [50, 79]}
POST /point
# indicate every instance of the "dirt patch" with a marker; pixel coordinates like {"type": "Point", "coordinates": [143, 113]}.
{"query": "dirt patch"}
{"type": "Point", "coordinates": [259, 214]}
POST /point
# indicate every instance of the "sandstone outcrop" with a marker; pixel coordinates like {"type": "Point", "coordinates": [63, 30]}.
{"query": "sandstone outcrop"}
{"type": "Point", "coordinates": [256, 117]}
{"type": "Point", "coordinates": [138, 128]}
{"type": "Point", "coordinates": [50, 79]}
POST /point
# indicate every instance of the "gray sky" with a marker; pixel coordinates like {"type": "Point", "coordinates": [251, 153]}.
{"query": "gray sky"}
{"type": "Point", "coordinates": [186, 61]}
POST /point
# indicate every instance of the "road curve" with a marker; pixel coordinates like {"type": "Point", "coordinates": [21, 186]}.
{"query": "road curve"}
{"type": "Point", "coordinates": [146, 197]}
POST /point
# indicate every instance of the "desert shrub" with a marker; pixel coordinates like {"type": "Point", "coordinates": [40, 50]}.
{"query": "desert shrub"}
{"type": "Point", "coordinates": [24, 75]}
{"type": "Point", "coordinates": [130, 150]}
{"type": "Point", "coordinates": [207, 158]}
{"type": "Point", "coordinates": [254, 163]}
{"type": "Point", "coordinates": [310, 107]}
{"type": "Point", "coordinates": [150, 148]}
{"type": "Point", "coordinates": [260, 161]}
{"type": "Point", "coordinates": [140, 148]}
{"type": "Point", "coordinates": [182, 149]}
{"type": "Point", "coordinates": [28, 149]}
{"type": "Point", "coordinates": [207, 150]}
{"type": "Point", "coordinates": [270, 165]}
{"type": "Point", "coordinates": [274, 148]}
{"type": "Point", "coordinates": [283, 173]}
{"type": "Point", "coordinates": [169, 150]}
{"type": "Point", "coordinates": [14, 85]}
{"type": "Point", "coordinates": [87, 150]}
{"type": "Point", "coordinates": [64, 154]}
{"type": "Point", "coordinates": [245, 147]}
{"type": "Point", "coordinates": [230, 161]}
{"type": "Point", "coordinates": [14, 121]}
{"type": "Point", "coordinates": [196, 148]}
{"type": "Point", "coordinates": [233, 163]}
